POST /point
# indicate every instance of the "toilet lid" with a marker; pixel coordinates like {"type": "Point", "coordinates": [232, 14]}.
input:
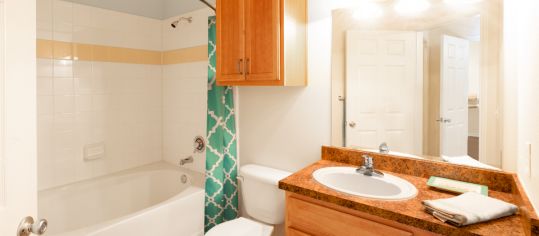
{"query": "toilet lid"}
{"type": "Point", "coordinates": [241, 227]}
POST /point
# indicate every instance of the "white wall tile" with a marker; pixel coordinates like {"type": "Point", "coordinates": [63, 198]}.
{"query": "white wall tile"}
{"type": "Point", "coordinates": [83, 103]}
{"type": "Point", "coordinates": [63, 86]}
{"type": "Point", "coordinates": [63, 68]}
{"type": "Point", "coordinates": [45, 105]}
{"type": "Point", "coordinates": [44, 19]}
{"type": "Point", "coordinates": [44, 67]}
{"type": "Point", "coordinates": [64, 104]}
{"type": "Point", "coordinates": [142, 113]}
{"type": "Point", "coordinates": [62, 12]}
{"type": "Point", "coordinates": [123, 109]}
{"type": "Point", "coordinates": [187, 35]}
{"type": "Point", "coordinates": [45, 86]}
{"type": "Point", "coordinates": [184, 114]}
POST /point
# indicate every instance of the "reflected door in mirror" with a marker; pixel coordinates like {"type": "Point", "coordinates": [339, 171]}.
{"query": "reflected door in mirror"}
{"type": "Point", "coordinates": [384, 89]}
{"type": "Point", "coordinates": [454, 96]}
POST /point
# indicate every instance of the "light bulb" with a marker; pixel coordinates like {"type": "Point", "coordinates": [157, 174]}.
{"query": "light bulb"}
{"type": "Point", "coordinates": [368, 11]}
{"type": "Point", "coordinates": [411, 7]}
{"type": "Point", "coordinates": [461, 2]}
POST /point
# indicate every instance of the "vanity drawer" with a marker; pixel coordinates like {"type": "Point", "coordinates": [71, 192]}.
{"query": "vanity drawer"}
{"type": "Point", "coordinates": [295, 232]}
{"type": "Point", "coordinates": [313, 219]}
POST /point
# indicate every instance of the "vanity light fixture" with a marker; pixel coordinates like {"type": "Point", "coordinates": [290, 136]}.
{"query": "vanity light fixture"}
{"type": "Point", "coordinates": [368, 11]}
{"type": "Point", "coordinates": [411, 7]}
{"type": "Point", "coordinates": [462, 2]}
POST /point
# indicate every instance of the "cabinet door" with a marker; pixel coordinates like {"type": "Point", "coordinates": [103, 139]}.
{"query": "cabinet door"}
{"type": "Point", "coordinates": [262, 39]}
{"type": "Point", "coordinates": [230, 40]}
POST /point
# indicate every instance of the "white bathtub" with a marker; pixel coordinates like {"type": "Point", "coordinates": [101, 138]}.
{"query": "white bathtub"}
{"type": "Point", "coordinates": [150, 200]}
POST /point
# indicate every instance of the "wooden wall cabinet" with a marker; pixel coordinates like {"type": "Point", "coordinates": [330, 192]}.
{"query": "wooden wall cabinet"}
{"type": "Point", "coordinates": [309, 217]}
{"type": "Point", "coordinates": [261, 42]}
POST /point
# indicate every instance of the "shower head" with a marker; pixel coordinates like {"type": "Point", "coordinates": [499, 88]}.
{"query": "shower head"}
{"type": "Point", "coordinates": [175, 23]}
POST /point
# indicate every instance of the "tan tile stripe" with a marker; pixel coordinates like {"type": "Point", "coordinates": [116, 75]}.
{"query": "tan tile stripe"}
{"type": "Point", "coordinates": [87, 52]}
{"type": "Point", "coordinates": [185, 55]}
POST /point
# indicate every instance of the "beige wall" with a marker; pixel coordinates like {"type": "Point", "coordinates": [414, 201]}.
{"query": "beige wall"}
{"type": "Point", "coordinates": [285, 127]}
{"type": "Point", "coordinates": [433, 38]}
{"type": "Point", "coordinates": [521, 83]}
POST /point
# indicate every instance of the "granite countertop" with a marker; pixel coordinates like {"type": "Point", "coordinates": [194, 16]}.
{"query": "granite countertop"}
{"type": "Point", "coordinates": [410, 212]}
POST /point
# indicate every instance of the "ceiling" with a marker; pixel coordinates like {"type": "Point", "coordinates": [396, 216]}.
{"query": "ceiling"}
{"type": "Point", "coordinates": [158, 9]}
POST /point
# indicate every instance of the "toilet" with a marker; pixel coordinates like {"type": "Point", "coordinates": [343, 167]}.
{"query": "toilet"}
{"type": "Point", "coordinates": [263, 201]}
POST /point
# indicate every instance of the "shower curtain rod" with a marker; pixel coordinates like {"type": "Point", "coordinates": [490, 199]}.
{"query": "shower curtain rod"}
{"type": "Point", "coordinates": [208, 4]}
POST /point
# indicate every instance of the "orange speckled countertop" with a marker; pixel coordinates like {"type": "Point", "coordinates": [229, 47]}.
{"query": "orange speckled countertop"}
{"type": "Point", "coordinates": [410, 212]}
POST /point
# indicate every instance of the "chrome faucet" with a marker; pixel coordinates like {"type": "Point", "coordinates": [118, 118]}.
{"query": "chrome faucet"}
{"type": "Point", "coordinates": [383, 148]}
{"type": "Point", "coordinates": [368, 167]}
{"type": "Point", "coordinates": [186, 160]}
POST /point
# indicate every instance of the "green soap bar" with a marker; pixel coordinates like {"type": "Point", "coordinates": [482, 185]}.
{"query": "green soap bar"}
{"type": "Point", "coordinates": [456, 186]}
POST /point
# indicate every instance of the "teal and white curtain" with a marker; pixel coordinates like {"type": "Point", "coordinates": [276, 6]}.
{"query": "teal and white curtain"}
{"type": "Point", "coordinates": [221, 154]}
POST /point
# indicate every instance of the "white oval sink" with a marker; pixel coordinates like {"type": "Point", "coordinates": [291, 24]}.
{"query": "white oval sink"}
{"type": "Point", "coordinates": [346, 180]}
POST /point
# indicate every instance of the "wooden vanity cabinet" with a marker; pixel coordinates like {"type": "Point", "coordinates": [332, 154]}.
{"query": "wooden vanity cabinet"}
{"type": "Point", "coordinates": [261, 42]}
{"type": "Point", "coordinates": [306, 216]}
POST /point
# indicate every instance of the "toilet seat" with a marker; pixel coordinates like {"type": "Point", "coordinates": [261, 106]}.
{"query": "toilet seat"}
{"type": "Point", "coordinates": [241, 227]}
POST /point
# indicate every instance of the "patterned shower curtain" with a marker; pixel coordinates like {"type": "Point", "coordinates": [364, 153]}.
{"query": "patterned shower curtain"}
{"type": "Point", "coordinates": [221, 160]}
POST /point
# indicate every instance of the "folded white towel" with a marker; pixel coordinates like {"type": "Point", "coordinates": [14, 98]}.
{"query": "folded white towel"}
{"type": "Point", "coordinates": [469, 208]}
{"type": "Point", "coordinates": [468, 161]}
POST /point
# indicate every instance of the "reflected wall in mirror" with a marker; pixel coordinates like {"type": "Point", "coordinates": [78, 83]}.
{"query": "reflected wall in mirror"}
{"type": "Point", "coordinates": [421, 79]}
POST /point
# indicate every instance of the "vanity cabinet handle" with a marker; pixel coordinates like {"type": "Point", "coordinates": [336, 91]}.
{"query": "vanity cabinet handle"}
{"type": "Point", "coordinates": [248, 64]}
{"type": "Point", "coordinates": [240, 66]}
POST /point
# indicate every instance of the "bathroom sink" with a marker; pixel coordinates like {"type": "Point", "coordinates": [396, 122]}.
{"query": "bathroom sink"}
{"type": "Point", "coordinates": [346, 180]}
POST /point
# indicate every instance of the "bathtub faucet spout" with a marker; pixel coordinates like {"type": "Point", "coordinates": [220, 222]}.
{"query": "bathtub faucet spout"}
{"type": "Point", "coordinates": [186, 160]}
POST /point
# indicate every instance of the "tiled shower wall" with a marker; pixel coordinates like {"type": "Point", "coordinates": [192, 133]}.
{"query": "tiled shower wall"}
{"type": "Point", "coordinates": [185, 89]}
{"type": "Point", "coordinates": [117, 105]}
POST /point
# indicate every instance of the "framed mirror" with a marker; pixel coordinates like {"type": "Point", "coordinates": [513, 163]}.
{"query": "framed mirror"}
{"type": "Point", "coordinates": [419, 80]}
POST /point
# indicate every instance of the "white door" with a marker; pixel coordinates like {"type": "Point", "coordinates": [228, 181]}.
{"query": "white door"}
{"type": "Point", "coordinates": [18, 158]}
{"type": "Point", "coordinates": [384, 90]}
{"type": "Point", "coordinates": [454, 96]}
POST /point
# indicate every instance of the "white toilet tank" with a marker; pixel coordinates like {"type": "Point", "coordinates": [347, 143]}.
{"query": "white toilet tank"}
{"type": "Point", "coordinates": [262, 198]}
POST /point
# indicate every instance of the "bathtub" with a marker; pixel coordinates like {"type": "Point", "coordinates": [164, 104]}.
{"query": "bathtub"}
{"type": "Point", "coordinates": [158, 199]}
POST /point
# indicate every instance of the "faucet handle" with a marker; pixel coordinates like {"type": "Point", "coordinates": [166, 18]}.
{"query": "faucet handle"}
{"type": "Point", "coordinates": [383, 148]}
{"type": "Point", "coordinates": [367, 161]}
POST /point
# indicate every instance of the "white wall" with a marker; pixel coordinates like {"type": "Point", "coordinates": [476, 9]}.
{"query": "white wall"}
{"type": "Point", "coordinates": [285, 127]}
{"type": "Point", "coordinates": [474, 76]}
{"type": "Point", "coordinates": [185, 91]}
{"type": "Point", "coordinates": [521, 83]}
{"type": "Point", "coordinates": [85, 102]}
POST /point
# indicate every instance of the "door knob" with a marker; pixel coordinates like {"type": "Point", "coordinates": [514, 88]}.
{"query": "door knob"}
{"type": "Point", "coordinates": [28, 227]}
{"type": "Point", "coordinates": [443, 120]}
{"type": "Point", "coordinates": [352, 124]}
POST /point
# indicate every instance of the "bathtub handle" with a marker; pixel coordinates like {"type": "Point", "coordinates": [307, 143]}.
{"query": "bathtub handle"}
{"type": "Point", "coordinates": [28, 227]}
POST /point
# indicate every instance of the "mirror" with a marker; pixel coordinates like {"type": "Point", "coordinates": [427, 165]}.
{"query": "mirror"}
{"type": "Point", "coordinates": [418, 80]}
